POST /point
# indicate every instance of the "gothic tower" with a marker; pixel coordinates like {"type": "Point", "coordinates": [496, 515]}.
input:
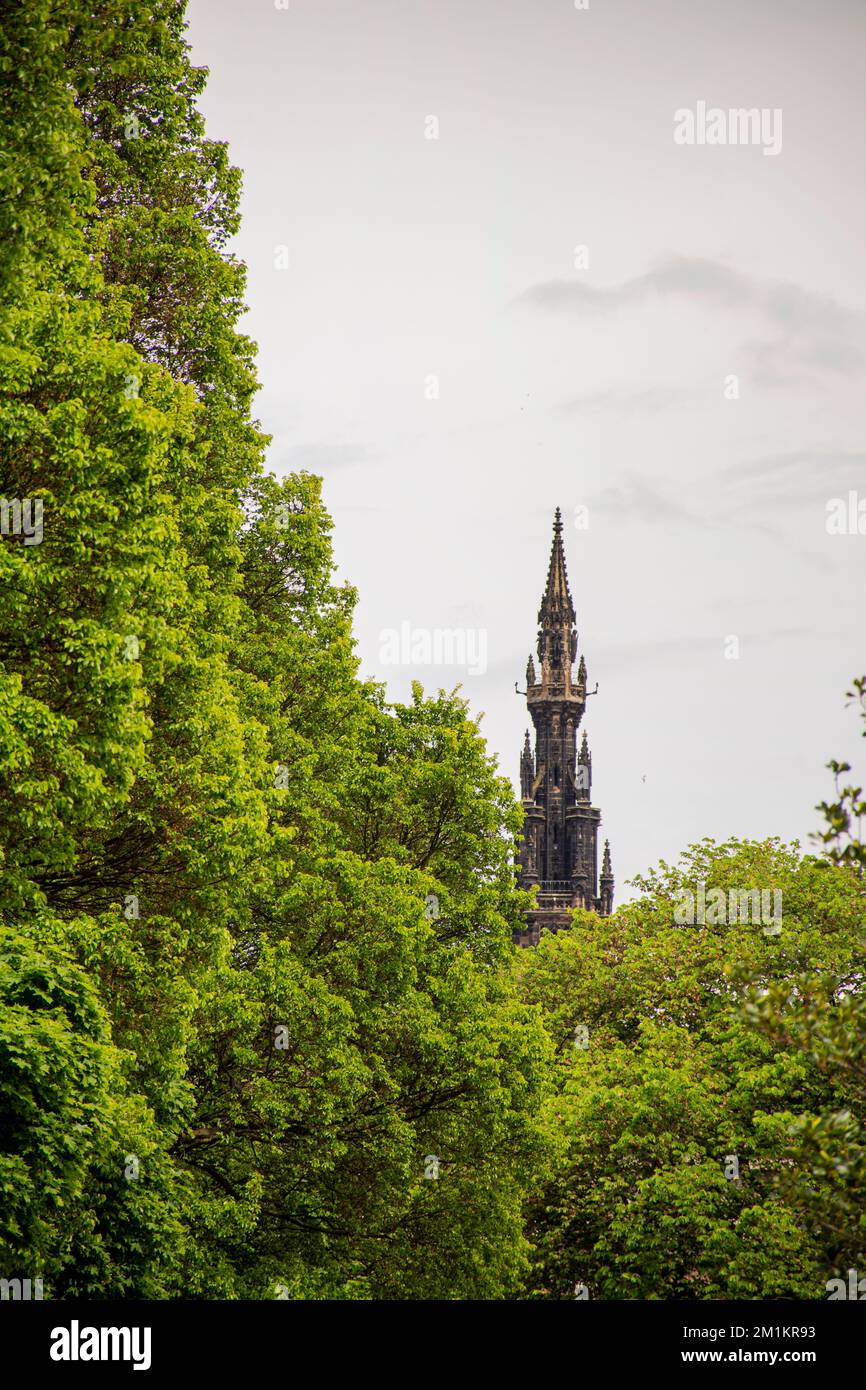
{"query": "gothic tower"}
{"type": "Point", "coordinates": [559, 853]}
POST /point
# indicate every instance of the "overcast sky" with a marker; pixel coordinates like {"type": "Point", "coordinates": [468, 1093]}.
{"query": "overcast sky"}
{"type": "Point", "coordinates": [441, 354]}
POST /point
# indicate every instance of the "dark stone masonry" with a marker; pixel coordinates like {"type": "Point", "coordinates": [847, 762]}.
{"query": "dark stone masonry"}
{"type": "Point", "coordinates": [559, 853]}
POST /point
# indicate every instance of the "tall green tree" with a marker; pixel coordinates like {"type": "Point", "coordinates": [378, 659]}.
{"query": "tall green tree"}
{"type": "Point", "coordinates": [84, 596]}
{"type": "Point", "coordinates": [822, 1014]}
{"type": "Point", "coordinates": [255, 920]}
{"type": "Point", "coordinates": [677, 1106]}
{"type": "Point", "coordinates": [369, 1087]}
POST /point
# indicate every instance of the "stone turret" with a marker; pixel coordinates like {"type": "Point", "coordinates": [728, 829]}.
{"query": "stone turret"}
{"type": "Point", "coordinates": [559, 852]}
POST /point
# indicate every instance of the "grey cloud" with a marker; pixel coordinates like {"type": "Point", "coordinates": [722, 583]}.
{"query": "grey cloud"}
{"type": "Point", "coordinates": [720, 508]}
{"type": "Point", "coordinates": [787, 305]}
{"type": "Point", "coordinates": [615, 656]}
{"type": "Point", "coordinates": [321, 457]}
{"type": "Point", "coordinates": [626, 402]}
{"type": "Point", "coordinates": [637, 499]}
{"type": "Point", "coordinates": [797, 472]}
{"type": "Point", "coordinates": [812, 331]}
{"type": "Point", "coordinates": [692, 277]}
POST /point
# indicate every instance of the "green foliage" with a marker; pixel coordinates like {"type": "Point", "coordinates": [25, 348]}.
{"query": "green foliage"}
{"type": "Point", "coordinates": [269, 913]}
{"type": "Point", "coordinates": [70, 1127]}
{"type": "Point", "coordinates": [687, 1067]}
{"type": "Point", "coordinates": [262, 1031]}
{"type": "Point", "coordinates": [843, 835]}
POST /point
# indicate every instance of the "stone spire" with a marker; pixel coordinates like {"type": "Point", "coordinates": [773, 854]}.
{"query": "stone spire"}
{"type": "Point", "coordinates": [606, 882]}
{"type": "Point", "coordinates": [557, 635]}
{"type": "Point", "coordinates": [584, 771]}
{"type": "Point", "coordinates": [527, 770]}
{"type": "Point", "coordinates": [558, 853]}
{"type": "Point", "coordinates": [557, 595]}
